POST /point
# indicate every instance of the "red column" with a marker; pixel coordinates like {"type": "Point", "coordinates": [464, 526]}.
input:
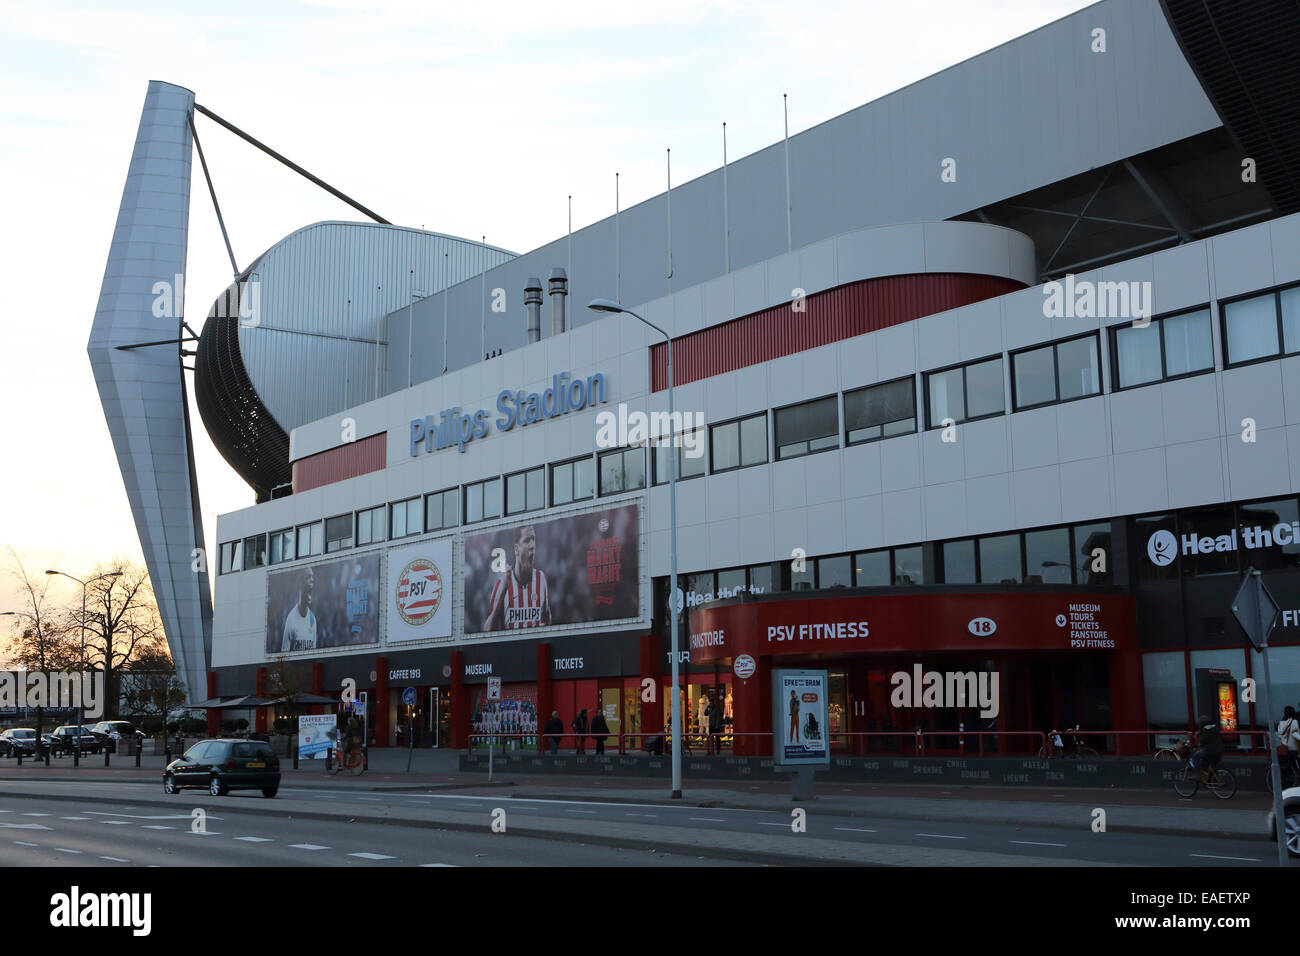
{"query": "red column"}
{"type": "Point", "coordinates": [1128, 709]}
{"type": "Point", "coordinates": [459, 718]}
{"type": "Point", "coordinates": [545, 695]}
{"type": "Point", "coordinates": [318, 678]}
{"type": "Point", "coordinates": [751, 712]}
{"type": "Point", "coordinates": [214, 716]}
{"type": "Point", "coordinates": [652, 712]}
{"type": "Point", "coordinates": [381, 702]}
{"type": "Point", "coordinates": [259, 690]}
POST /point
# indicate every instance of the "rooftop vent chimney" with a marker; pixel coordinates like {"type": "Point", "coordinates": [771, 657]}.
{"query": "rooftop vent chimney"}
{"type": "Point", "coordinates": [559, 292]}
{"type": "Point", "coordinates": [533, 310]}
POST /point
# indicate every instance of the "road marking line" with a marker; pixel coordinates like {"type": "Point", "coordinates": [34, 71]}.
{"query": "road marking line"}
{"type": "Point", "coordinates": [115, 823]}
{"type": "Point", "coordinates": [74, 818]}
{"type": "Point", "coordinates": [255, 839]}
{"type": "Point", "coordinates": [21, 843]}
{"type": "Point", "coordinates": [37, 814]}
{"type": "Point", "coordinates": [146, 816]}
{"type": "Point", "coordinates": [854, 830]}
{"type": "Point", "coordinates": [371, 799]}
{"type": "Point", "coordinates": [307, 846]}
{"type": "Point", "coordinates": [205, 832]}
{"type": "Point", "coordinates": [774, 825]}
{"type": "Point", "coordinates": [591, 811]}
{"type": "Point", "coordinates": [709, 819]}
{"type": "Point", "coordinates": [372, 856]}
{"type": "Point", "coordinates": [1035, 843]}
{"type": "Point", "coordinates": [156, 827]}
{"type": "Point", "coordinates": [59, 849]}
{"type": "Point", "coordinates": [436, 864]}
{"type": "Point", "coordinates": [628, 814]}
{"type": "Point", "coordinates": [1211, 856]}
{"type": "Point", "coordinates": [939, 836]}
{"type": "Point", "coordinates": [114, 859]}
{"type": "Point", "coordinates": [575, 803]}
{"type": "Point", "coordinates": [25, 826]}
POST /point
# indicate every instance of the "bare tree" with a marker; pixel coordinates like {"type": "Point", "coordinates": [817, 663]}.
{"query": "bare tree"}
{"type": "Point", "coordinates": [150, 687]}
{"type": "Point", "coordinates": [41, 641]}
{"type": "Point", "coordinates": [121, 622]}
{"type": "Point", "coordinates": [291, 679]}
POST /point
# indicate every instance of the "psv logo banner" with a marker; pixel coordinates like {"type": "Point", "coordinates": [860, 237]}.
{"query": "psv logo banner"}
{"type": "Point", "coordinates": [419, 591]}
{"type": "Point", "coordinates": [417, 585]}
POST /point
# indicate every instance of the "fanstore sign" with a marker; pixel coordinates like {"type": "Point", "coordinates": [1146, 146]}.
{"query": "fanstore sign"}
{"type": "Point", "coordinates": [454, 427]}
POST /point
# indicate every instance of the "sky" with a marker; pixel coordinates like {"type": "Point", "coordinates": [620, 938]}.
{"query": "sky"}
{"type": "Point", "coordinates": [477, 120]}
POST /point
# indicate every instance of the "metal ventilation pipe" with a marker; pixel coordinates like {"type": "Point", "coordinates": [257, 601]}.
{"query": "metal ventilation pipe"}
{"type": "Point", "coordinates": [533, 310]}
{"type": "Point", "coordinates": [559, 292]}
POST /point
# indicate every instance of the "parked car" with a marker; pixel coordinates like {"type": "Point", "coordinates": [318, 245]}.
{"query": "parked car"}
{"type": "Point", "coordinates": [223, 765]}
{"type": "Point", "coordinates": [63, 740]}
{"type": "Point", "coordinates": [18, 740]}
{"type": "Point", "coordinates": [1291, 808]}
{"type": "Point", "coordinates": [110, 732]}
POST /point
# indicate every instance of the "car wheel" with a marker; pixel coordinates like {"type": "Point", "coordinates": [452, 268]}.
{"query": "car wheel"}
{"type": "Point", "coordinates": [270, 791]}
{"type": "Point", "coordinates": [169, 784]}
{"type": "Point", "coordinates": [1291, 829]}
{"type": "Point", "coordinates": [216, 787]}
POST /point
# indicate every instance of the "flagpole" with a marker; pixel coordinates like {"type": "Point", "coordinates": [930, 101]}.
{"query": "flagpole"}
{"type": "Point", "coordinates": [789, 233]}
{"type": "Point", "coordinates": [726, 228]}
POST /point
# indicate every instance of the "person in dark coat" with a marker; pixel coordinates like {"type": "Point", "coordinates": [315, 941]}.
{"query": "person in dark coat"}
{"type": "Point", "coordinates": [599, 730]}
{"type": "Point", "coordinates": [553, 731]}
{"type": "Point", "coordinates": [580, 729]}
{"type": "Point", "coordinates": [717, 716]}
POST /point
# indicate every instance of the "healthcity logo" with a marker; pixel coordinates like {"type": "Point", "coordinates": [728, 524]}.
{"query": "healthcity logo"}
{"type": "Point", "coordinates": [65, 689]}
{"type": "Point", "coordinates": [1163, 546]}
{"type": "Point", "coordinates": [76, 909]}
{"type": "Point", "coordinates": [946, 689]}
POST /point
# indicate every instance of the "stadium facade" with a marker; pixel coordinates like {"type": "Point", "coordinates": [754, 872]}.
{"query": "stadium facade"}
{"type": "Point", "coordinates": [997, 374]}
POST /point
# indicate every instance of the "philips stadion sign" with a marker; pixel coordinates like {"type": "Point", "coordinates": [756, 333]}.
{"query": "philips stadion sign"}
{"type": "Point", "coordinates": [458, 428]}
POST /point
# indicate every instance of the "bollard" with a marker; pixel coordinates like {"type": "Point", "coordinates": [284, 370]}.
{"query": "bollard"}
{"type": "Point", "coordinates": [106, 755]}
{"type": "Point", "coordinates": [76, 752]}
{"type": "Point", "coordinates": [329, 759]}
{"type": "Point", "coordinates": [18, 752]}
{"type": "Point", "coordinates": [139, 745]}
{"type": "Point", "coordinates": [47, 756]}
{"type": "Point", "coordinates": [295, 754]}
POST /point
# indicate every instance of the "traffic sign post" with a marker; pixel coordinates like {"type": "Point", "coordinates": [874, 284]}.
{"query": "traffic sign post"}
{"type": "Point", "coordinates": [409, 698]}
{"type": "Point", "coordinates": [1256, 612]}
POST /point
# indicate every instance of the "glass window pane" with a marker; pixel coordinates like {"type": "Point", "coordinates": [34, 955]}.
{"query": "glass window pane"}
{"type": "Point", "coordinates": [1252, 328]}
{"type": "Point", "coordinates": [871, 569]}
{"type": "Point", "coordinates": [290, 539]}
{"type": "Point", "coordinates": [449, 508]}
{"type": "Point", "coordinates": [432, 514]}
{"type": "Point", "coordinates": [868, 411]}
{"type": "Point", "coordinates": [492, 498]}
{"type": "Point", "coordinates": [474, 502]}
{"type": "Point", "coordinates": [1188, 347]}
{"type": "Point", "coordinates": [611, 473]}
{"type": "Point", "coordinates": [1092, 550]}
{"type": "Point", "coordinates": [633, 469]}
{"type": "Point", "coordinates": [730, 580]}
{"type": "Point", "coordinates": [691, 458]}
{"type": "Point", "coordinates": [800, 426]}
{"type": "Point", "coordinates": [584, 479]}
{"type": "Point", "coordinates": [836, 572]}
{"type": "Point", "coordinates": [907, 566]}
{"type": "Point", "coordinates": [760, 578]}
{"type": "Point", "coordinates": [1268, 517]}
{"type": "Point", "coordinates": [985, 394]}
{"type": "Point", "coordinates": [561, 484]}
{"type": "Point", "coordinates": [1290, 300]}
{"type": "Point", "coordinates": [959, 562]}
{"type": "Point", "coordinates": [276, 542]}
{"type": "Point", "coordinates": [1000, 559]}
{"type": "Point", "coordinates": [726, 446]}
{"type": "Point", "coordinates": [1214, 524]}
{"type": "Point", "coordinates": [1047, 556]}
{"type": "Point", "coordinates": [946, 400]}
{"type": "Point", "coordinates": [660, 450]}
{"type": "Point", "coordinates": [1035, 374]}
{"type": "Point", "coordinates": [1165, 681]}
{"type": "Point", "coordinates": [803, 580]}
{"type": "Point", "coordinates": [1079, 368]}
{"type": "Point", "coordinates": [753, 440]}
{"type": "Point", "coordinates": [536, 490]}
{"type": "Point", "coordinates": [514, 493]}
{"type": "Point", "coordinates": [1137, 353]}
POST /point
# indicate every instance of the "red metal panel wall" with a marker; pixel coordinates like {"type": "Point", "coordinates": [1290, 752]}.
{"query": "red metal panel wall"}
{"type": "Point", "coordinates": [345, 461]}
{"type": "Point", "coordinates": [829, 316]}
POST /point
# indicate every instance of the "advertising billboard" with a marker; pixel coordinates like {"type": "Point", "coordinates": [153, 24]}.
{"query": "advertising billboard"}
{"type": "Point", "coordinates": [316, 735]}
{"type": "Point", "coordinates": [418, 591]}
{"type": "Point", "coordinates": [577, 569]}
{"type": "Point", "coordinates": [800, 717]}
{"type": "Point", "coordinates": [324, 605]}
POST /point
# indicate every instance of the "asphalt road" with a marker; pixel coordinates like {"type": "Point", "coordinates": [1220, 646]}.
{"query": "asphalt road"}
{"type": "Point", "coordinates": [69, 822]}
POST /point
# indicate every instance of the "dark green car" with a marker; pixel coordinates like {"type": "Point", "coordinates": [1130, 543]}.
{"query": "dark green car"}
{"type": "Point", "coordinates": [220, 766]}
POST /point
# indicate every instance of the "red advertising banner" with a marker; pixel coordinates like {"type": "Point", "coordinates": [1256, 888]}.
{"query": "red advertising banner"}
{"type": "Point", "coordinates": [1035, 621]}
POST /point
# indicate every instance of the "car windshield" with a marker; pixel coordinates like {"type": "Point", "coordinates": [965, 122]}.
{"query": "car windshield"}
{"type": "Point", "coordinates": [23, 733]}
{"type": "Point", "coordinates": [258, 750]}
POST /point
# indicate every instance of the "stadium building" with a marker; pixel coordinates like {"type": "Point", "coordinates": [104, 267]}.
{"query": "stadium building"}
{"type": "Point", "coordinates": [998, 374]}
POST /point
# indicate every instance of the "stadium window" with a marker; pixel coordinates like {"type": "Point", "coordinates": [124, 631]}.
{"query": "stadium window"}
{"type": "Point", "coordinates": [690, 456]}
{"type": "Point", "coordinates": [440, 510]}
{"type": "Point", "coordinates": [731, 580]}
{"type": "Point", "coordinates": [760, 578]}
{"type": "Point", "coordinates": [255, 551]}
{"type": "Point", "coordinates": [909, 567]}
{"type": "Point", "coordinates": [404, 518]}
{"type": "Point", "coordinates": [1058, 372]}
{"type": "Point", "coordinates": [1169, 347]}
{"type": "Point", "coordinates": [879, 411]}
{"type": "Point", "coordinates": [807, 428]}
{"type": "Point", "coordinates": [370, 525]}
{"type": "Point", "coordinates": [282, 546]}
{"type": "Point", "coordinates": [232, 557]}
{"type": "Point", "coordinates": [483, 500]}
{"type": "Point", "coordinates": [999, 559]}
{"type": "Point", "coordinates": [338, 533]}
{"type": "Point", "coordinates": [573, 480]}
{"type": "Point", "coordinates": [526, 491]}
{"type": "Point", "coordinates": [835, 572]}
{"type": "Point", "coordinates": [1047, 556]}
{"type": "Point", "coordinates": [959, 562]}
{"type": "Point", "coordinates": [622, 470]}
{"type": "Point", "coordinates": [311, 539]}
{"type": "Point", "coordinates": [966, 392]}
{"type": "Point", "coordinates": [1261, 327]}
{"type": "Point", "coordinates": [1093, 559]}
{"type": "Point", "coordinates": [739, 444]}
{"type": "Point", "coordinates": [871, 569]}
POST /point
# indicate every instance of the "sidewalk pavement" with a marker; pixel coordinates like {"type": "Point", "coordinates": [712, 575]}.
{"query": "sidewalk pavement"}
{"type": "Point", "coordinates": [1142, 811]}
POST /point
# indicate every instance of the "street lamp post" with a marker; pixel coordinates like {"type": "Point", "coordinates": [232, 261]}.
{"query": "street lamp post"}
{"type": "Point", "coordinates": [675, 730]}
{"type": "Point", "coordinates": [81, 710]}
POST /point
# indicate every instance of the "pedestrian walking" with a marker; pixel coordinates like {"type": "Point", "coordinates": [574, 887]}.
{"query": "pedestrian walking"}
{"type": "Point", "coordinates": [580, 729]}
{"type": "Point", "coordinates": [599, 730]}
{"type": "Point", "coordinates": [716, 716]}
{"type": "Point", "coordinates": [553, 731]}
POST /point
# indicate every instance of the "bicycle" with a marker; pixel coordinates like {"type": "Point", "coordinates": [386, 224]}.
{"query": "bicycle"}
{"type": "Point", "coordinates": [1290, 775]}
{"type": "Point", "coordinates": [353, 761]}
{"type": "Point", "coordinates": [1218, 781]}
{"type": "Point", "coordinates": [1076, 750]}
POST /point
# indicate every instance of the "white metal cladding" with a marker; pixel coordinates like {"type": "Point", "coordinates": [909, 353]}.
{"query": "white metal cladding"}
{"type": "Point", "coordinates": [322, 292]}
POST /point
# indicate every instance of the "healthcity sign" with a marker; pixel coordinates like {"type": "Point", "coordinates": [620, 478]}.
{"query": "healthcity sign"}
{"type": "Point", "coordinates": [459, 428]}
{"type": "Point", "coordinates": [1163, 546]}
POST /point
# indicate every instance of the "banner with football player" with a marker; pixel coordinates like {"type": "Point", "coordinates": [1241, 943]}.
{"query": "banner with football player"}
{"type": "Point", "coordinates": [419, 591]}
{"type": "Point", "coordinates": [573, 570]}
{"type": "Point", "coordinates": [324, 605]}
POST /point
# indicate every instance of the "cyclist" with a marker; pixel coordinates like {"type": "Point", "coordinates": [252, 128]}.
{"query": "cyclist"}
{"type": "Point", "coordinates": [351, 737]}
{"type": "Point", "coordinates": [1288, 730]}
{"type": "Point", "coordinates": [1209, 744]}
